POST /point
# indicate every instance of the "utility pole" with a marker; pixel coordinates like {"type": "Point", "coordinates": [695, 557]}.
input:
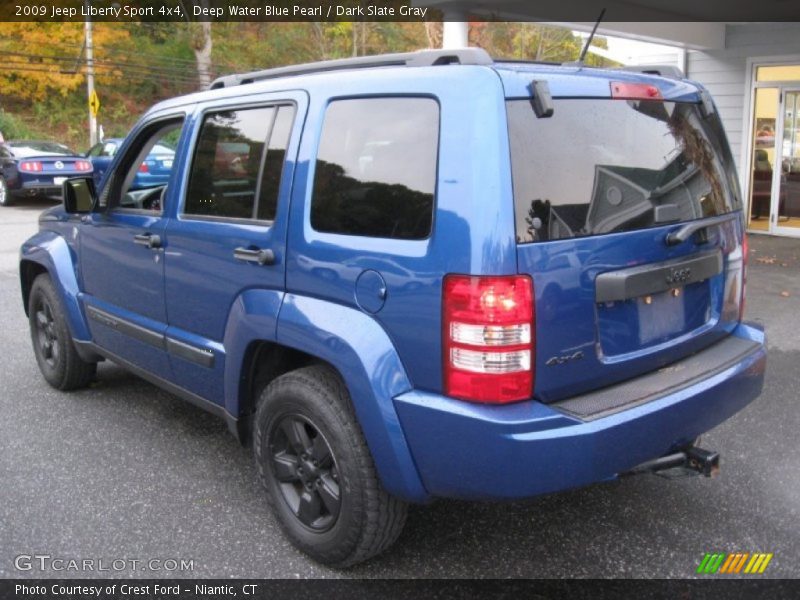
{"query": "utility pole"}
{"type": "Point", "coordinates": [90, 77]}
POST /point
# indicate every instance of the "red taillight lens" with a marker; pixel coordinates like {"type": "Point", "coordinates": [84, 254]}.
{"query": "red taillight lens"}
{"type": "Point", "coordinates": [31, 166]}
{"type": "Point", "coordinates": [487, 338]}
{"type": "Point", "coordinates": [621, 90]}
{"type": "Point", "coordinates": [745, 250]}
{"type": "Point", "coordinates": [83, 165]}
{"type": "Point", "coordinates": [143, 168]}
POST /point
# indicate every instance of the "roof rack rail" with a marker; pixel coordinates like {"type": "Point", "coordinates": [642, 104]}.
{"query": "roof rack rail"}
{"type": "Point", "coordinates": [525, 61]}
{"type": "Point", "coordinates": [420, 58]}
{"type": "Point", "coordinates": [668, 71]}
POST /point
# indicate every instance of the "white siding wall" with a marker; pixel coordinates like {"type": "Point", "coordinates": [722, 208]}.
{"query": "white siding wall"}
{"type": "Point", "coordinates": [724, 72]}
{"type": "Point", "coordinates": [667, 58]}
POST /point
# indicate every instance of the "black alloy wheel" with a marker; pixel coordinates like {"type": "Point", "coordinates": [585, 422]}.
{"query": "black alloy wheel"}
{"type": "Point", "coordinates": [49, 345]}
{"type": "Point", "coordinates": [320, 479]}
{"type": "Point", "coordinates": [305, 469]}
{"type": "Point", "coordinates": [56, 353]}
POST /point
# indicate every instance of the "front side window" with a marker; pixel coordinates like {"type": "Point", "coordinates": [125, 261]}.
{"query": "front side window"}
{"type": "Point", "coordinates": [237, 164]}
{"type": "Point", "coordinates": [605, 166]}
{"type": "Point", "coordinates": [375, 172]}
{"type": "Point", "coordinates": [143, 174]}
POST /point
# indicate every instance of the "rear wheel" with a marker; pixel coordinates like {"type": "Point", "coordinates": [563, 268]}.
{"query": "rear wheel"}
{"type": "Point", "coordinates": [5, 195]}
{"type": "Point", "coordinates": [319, 475]}
{"type": "Point", "coordinates": [55, 351]}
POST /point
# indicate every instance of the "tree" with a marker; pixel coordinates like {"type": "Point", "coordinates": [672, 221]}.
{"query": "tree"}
{"type": "Point", "coordinates": [201, 44]}
{"type": "Point", "coordinates": [201, 41]}
{"type": "Point", "coordinates": [532, 41]}
{"type": "Point", "coordinates": [42, 60]}
{"type": "Point", "coordinates": [433, 33]}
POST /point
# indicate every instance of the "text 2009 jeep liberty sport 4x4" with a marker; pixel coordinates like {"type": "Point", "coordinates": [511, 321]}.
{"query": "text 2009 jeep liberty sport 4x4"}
{"type": "Point", "coordinates": [416, 276]}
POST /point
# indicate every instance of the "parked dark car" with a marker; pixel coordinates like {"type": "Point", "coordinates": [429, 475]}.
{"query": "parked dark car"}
{"type": "Point", "coordinates": [152, 172]}
{"type": "Point", "coordinates": [36, 168]}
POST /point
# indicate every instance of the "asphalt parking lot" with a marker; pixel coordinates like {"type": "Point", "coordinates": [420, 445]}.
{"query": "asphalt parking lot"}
{"type": "Point", "coordinates": [126, 471]}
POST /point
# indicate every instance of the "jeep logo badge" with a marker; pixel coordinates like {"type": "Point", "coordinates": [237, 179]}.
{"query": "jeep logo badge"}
{"type": "Point", "coordinates": [678, 275]}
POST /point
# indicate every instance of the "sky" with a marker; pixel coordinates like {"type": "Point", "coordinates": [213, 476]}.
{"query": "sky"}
{"type": "Point", "coordinates": [626, 51]}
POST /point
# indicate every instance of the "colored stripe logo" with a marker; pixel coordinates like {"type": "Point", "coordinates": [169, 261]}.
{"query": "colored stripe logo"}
{"type": "Point", "coordinates": [734, 563]}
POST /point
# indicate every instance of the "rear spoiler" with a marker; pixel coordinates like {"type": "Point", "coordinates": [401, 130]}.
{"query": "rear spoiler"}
{"type": "Point", "coordinates": [667, 71]}
{"type": "Point", "coordinates": [671, 72]}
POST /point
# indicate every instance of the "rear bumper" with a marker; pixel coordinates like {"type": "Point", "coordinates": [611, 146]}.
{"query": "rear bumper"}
{"type": "Point", "coordinates": [38, 188]}
{"type": "Point", "coordinates": [475, 451]}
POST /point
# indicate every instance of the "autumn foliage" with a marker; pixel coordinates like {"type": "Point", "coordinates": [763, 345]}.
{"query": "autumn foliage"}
{"type": "Point", "coordinates": [43, 65]}
{"type": "Point", "coordinates": [43, 59]}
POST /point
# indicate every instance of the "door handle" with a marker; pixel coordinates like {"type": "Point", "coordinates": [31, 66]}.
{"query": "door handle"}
{"type": "Point", "coordinates": [256, 255]}
{"type": "Point", "coordinates": [147, 239]}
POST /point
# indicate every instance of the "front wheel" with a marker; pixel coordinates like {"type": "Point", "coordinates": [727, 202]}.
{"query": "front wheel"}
{"type": "Point", "coordinates": [5, 194]}
{"type": "Point", "coordinates": [55, 351]}
{"type": "Point", "coordinates": [318, 472]}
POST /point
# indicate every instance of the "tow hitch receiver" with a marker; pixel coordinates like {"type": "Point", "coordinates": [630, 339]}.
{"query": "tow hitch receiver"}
{"type": "Point", "coordinates": [692, 461]}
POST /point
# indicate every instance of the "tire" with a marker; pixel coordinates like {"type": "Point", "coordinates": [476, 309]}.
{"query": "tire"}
{"type": "Point", "coordinates": [5, 193]}
{"type": "Point", "coordinates": [308, 448]}
{"type": "Point", "coordinates": [55, 351]}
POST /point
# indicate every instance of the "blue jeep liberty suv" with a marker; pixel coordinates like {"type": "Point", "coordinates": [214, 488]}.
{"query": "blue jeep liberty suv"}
{"type": "Point", "coordinates": [416, 276]}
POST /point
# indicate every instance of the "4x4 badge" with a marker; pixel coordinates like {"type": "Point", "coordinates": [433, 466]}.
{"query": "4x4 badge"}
{"type": "Point", "coordinates": [560, 360]}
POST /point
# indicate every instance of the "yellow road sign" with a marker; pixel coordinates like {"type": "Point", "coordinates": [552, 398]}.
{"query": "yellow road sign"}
{"type": "Point", "coordinates": [94, 103]}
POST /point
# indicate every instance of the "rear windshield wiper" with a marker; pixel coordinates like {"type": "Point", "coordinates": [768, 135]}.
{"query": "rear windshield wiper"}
{"type": "Point", "coordinates": [681, 235]}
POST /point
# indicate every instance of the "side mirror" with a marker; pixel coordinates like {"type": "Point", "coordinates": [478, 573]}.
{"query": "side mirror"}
{"type": "Point", "coordinates": [79, 195]}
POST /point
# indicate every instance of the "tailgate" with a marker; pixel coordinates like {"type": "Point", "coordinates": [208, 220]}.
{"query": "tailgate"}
{"type": "Point", "coordinates": [629, 223]}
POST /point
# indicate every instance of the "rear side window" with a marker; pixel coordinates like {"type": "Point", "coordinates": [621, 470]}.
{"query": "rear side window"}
{"type": "Point", "coordinates": [238, 162]}
{"type": "Point", "coordinates": [375, 173]}
{"type": "Point", "coordinates": [604, 166]}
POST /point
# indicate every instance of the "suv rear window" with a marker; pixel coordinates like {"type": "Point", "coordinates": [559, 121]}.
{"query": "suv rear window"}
{"type": "Point", "coordinates": [604, 166]}
{"type": "Point", "coordinates": [375, 174]}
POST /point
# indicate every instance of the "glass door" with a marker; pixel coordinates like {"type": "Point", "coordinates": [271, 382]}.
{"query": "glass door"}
{"type": "Point", "coordinates": [785, 202]}
{"type": "Point", "coordinates": [763, 158]}
{"type": "Point", "coordinates": [774, 191]}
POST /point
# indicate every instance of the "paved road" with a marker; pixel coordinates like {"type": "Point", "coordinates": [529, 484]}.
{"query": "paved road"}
{"type": "Point", "coordinates": [125, 471]}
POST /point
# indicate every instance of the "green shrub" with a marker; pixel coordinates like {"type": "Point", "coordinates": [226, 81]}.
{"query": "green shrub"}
{"type": "Point", "coordinates": [13, 127]}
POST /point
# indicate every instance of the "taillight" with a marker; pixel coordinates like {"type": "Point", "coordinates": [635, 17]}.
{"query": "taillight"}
{"type": "Point", "coordinates": [83, 165]}
{"type": "Point", "coordinates": [621, 90]}
{"type": "Point", "coordinates": [30, 166]}
{"type": "Point", "coordinates": [745, 250]}
{"type": "Point", "coordinates": [143, 168]}
{"type": "Point", "coordinates": [487, 337]}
